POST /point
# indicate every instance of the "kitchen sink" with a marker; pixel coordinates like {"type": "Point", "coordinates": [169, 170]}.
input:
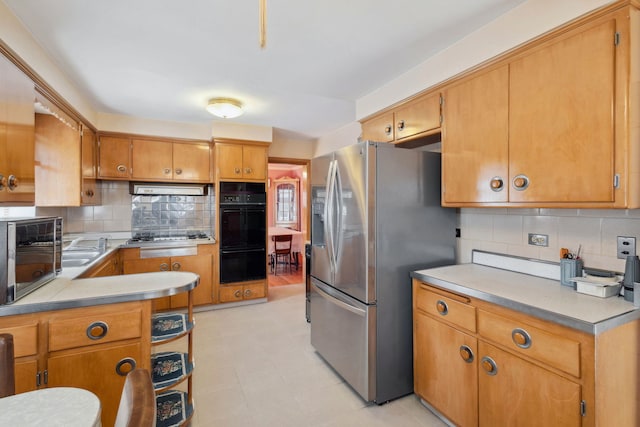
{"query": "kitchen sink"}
{"type": "Point", "coordinates": [77, 257]}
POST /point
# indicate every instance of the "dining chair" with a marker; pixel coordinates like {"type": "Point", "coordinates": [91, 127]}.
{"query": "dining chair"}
{"type": "Point", "coordinates": [282, 251]}
{"type": "Point", "coordinates": [7, 366]}
{"type": "Point", "coordinates": [138, 401]}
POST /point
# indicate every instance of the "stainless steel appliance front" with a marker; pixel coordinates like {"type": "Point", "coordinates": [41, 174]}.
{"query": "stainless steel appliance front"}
{"type": "Point", "coordinates": [375, 217]}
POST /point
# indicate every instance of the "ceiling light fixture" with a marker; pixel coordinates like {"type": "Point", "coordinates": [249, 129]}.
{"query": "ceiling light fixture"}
{"type": "Point", "coordinates": [227, 108]}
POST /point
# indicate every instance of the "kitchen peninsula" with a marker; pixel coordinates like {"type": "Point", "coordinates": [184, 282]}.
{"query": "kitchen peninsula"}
{"type": "Point", "coordinates": [88, 333]}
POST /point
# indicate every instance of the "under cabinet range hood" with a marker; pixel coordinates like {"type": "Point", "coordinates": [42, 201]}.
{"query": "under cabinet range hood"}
{"type": "Point", "coordinates": [162, 189]}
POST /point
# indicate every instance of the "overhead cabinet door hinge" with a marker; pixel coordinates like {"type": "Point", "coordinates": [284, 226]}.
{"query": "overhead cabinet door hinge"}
{"type": "Point", "coordinates": [616, 38]}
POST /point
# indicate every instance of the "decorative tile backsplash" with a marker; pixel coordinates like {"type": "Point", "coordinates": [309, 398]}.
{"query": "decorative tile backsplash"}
{"type": "Point", "coordinates": [172, 215]}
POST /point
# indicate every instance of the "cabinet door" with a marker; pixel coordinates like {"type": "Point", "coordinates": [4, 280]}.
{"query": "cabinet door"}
{"type": "Point", "coordinates": [151, 159]}
{"type": "Point", "coordinates": [191, 162]}
{"type": "Point", "coordinates": [114, 157]}
{"type": "Point", "coordinates": [101, 370]}
{"type": "Point", "coordinates": [230, 293]}
{"type": "Point", "coordinates": [201, 265]}
{"type": "Point", "coordinates": [89, 153]}
{"type": "Point", "coordinates": [26, 374]}
{"type": "Point", "coordinates": [254, 160]}
{"type": "Point", "coordinates": [379, 129]}
{"type": "Point", "coordinates": [16, 134]}
{"type": "Point", "coordinates": [561, 124]}
{"type": "Point", "coordinates": [229, 161]}
{"type": "Point", "coordinates": [442, 377]}
{"type": "Point", "coordinates": [475, 140]}
{"type": "Point", "coordinates": [418, 116]}
{"type": "Point", "coordinates": [513, 392]}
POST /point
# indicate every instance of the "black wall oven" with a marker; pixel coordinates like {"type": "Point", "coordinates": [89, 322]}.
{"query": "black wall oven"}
{"type": "Point", "coordinates": [243, 222]}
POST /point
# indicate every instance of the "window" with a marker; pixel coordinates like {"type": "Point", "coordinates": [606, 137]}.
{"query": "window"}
{"type": "Point", "coordinates": [286, 202]}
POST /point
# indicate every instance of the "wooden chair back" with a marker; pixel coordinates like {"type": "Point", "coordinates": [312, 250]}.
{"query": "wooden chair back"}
{"type": "Point", "coordinates": [282, 244]}
{"type": "Point", "coordinates": [7, 366]}
{"type": "Point", "coordinates": [138, 401]}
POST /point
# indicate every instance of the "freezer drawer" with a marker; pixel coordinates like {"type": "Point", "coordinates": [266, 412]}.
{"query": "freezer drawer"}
{"type": "Point", "coordinates": [343, 332]}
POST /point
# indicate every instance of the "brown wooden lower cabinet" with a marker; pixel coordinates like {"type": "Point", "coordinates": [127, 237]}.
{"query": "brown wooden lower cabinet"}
{"type": "Point", "coordinates": [53, 349]}
{"type": "Point", "coordinates": [480, 364]}
{"type": "Point", "coordinates": [242, 291]}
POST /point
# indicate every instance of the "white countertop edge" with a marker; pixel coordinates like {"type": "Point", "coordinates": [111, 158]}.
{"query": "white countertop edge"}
{"type": "Point", "coordinates": [623, 313]}
{"type": "Point", "coordinates": [65, 293]}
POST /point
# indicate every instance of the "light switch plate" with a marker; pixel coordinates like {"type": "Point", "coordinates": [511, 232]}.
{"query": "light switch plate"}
{"type": "Point", "coordinates": [538, 239]}
{"type": "Point", "coordinates": [626, 246]}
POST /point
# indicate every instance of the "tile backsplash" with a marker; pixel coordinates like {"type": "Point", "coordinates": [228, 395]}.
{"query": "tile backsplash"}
{"type": "Point", "coordinates": [506, 231]}
{"type": "Point", "coordinates": [172, 215]}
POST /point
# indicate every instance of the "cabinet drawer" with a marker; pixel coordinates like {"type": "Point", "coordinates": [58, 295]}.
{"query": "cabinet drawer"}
{"type": "Point", "coordinates": [25, 339]}
{"type": "Point", "coordinates": [254, 291]}
{"type": "Point", "coordinates": [456, 311]}
{"type": "Point", "coordinates": [554, 350]}
{"type": "Point", "coordinates": [96, 329]}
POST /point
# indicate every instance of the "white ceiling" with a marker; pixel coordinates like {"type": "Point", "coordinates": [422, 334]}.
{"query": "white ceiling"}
{"type": "Point", "coordinates": [164, 59]}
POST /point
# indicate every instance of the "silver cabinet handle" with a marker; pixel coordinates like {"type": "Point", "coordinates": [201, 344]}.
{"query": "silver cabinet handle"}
{"type": "Point", "coordinates": [176, 266]}
{"type": "Point", "coordinates": [178, 171]}
{"type": "Point", "coordinates": [247, 293]}
{"type": "Point", "coordinates": [164, 267]}
{"type": "Point", "coordinates": [489, 366]}
{"type": "Point", "coordinates": [89, 193]}
{"type": "Point", "coordinates": [12, 182]}
{"type": "Point", "coordinates": [442, 307]}
{"type": "Point", "coordinates": [466, 353]}
{"type": "Point", "coordinates": [167, 171]}
{"type": "Point", "coordinates": [3, 182]}
{"type": "Point", "coordinates": [238, 293]}
{"type": "Point", "coordinates": [521, 338]}
{"type": "Point", "coordinates": [388, 129]}
{"type": "Point", "coordinates": [97, 330]}
{"type": "Point", "coordinates": [401, 125]}
{"type": "Point", "coordinates": [124, 366]}
{"type": "Point", "coordinates": [520, 182]}
{"type": "Point", "coordinates": [496, 184]}
{"type": "Point", "coordinates": [121, 168]}
{"type": "Point", "coordinates": [237, 170]}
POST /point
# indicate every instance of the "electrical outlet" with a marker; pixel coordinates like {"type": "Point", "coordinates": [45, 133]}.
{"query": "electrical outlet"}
{"type": "Point", "coordinates": [626, 246]}
{"type": "Point", "coordinates": [538, 239]}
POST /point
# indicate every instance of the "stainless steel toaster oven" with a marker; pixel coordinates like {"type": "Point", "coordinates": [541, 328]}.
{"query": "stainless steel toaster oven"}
{"type": "Point", "coordinates": [30, 255]}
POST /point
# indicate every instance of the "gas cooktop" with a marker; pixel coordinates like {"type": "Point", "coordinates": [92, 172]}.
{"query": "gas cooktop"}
{"type": "Point", "coordinates": [149, 238]}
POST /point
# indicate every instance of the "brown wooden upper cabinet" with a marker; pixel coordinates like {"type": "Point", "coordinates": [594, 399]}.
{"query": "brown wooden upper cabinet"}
{"type": "Point", "coordinates": [17, 170]}
{"type": "Point", "coordinates": [415, 119]}
{"type": "Point", "coordinates": [170, 161]}
{"type": "Point", "coordinates": [548, 126]}
{"type": "Point", "coordinates": [64, 152]}
{"type": "Point", "coordinates": [154, 159]}
{"type": "Point", "coordinates": [114, 157]}
{"type": "Point", "coordinates": [241, 161]}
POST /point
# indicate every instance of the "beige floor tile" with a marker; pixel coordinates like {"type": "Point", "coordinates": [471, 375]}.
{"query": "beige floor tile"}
{"type": "Point", "coordinates": [255, 367]}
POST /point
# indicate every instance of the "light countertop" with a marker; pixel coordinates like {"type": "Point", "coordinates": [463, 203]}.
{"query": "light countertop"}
{"type": "Point", "coordinates": [543, 298]}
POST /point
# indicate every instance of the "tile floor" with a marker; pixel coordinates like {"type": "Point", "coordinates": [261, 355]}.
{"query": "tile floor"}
{"type": "Point", "coordinates": [255, 367]}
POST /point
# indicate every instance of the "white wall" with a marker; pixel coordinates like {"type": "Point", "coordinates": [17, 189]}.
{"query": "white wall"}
{"type": "Point", "coordinates": [339, 138]}
{"type": "Point", "coordinates": [142, 126]}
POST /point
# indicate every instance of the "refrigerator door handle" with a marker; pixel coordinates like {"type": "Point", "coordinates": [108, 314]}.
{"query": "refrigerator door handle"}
{"type": "Point", "coordinates": [355, 310]}
{"type": "Point", "coordinates": [338, 208]}
{"type": "Point", "coordinates": [329, 210]}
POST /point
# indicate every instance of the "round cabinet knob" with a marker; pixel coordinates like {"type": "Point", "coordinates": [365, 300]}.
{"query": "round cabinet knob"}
{"type": "Point", "coordinates": [489, 365]}
{"type": "Point", "coordinates": [520, 182]}
{"type": "Point", "coordinates": [247, 293]}
{"type": "Point", "coordinates": [237, 170]}
{"type": "Point", "coordinates": [176, 266]}
{"type": "Point", "coordinates": [466, 353]}
{"type": "Point", "coordinates": [167, 171]}
{"type": "Point", "coordinates": [496, 184]}
{"type": "Point", "coordinates": [89, 193]}
{"type": "Point", "coordinates": [247, 170]}
{"type": "Point", "coordinates": [124, 366]}
{"type": "Point", "coordinates": [387, 129]}
{"type": "Point", "coordinates": [121, 168]}
{"type": "Point", "coordinates": [401, 125]}
{"type": "Point", "coordinates": [164, 267]}
{"type": "Point", "coordinates": [3, 182]}
{"type": "Point", "coordinates": [97, 330]}
{"type": "Point", "coordinates": [12, 182]}
{"type": "Point", "coordinates": [521, 338]}
{"type": "Point", "coordinates": [178, 171]}
{"type": "Point", "coordinates": [442, 307]}
{"type": "Point", "coordinates": [238, 293]}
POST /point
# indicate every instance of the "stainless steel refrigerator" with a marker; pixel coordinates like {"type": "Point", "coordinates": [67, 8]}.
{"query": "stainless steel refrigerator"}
{"type": "Point", "coordinates": [375, 217]}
